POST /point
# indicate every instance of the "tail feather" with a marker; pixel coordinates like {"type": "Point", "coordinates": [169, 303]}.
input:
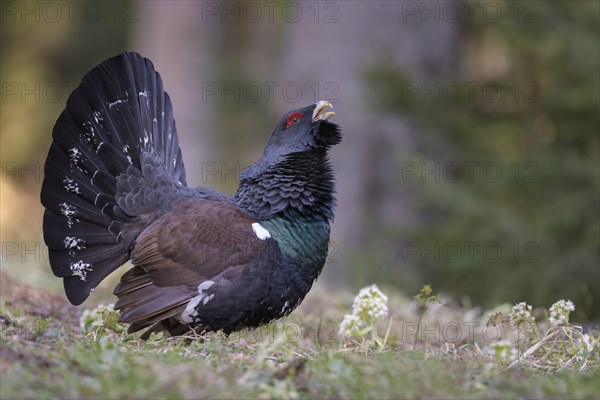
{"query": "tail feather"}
{"type": "Point", "coordinates": [77, 180]}
{"type": "Point", "coordinates": [115, 156]}
{"type": "Point", "coordinates": [78, 292]}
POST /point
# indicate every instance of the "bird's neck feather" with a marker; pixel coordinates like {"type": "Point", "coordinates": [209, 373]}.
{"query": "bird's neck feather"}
{"type": "Point", "coordinates": [294, 200]}
{"type": "Point", "coordinates": [302, 238]}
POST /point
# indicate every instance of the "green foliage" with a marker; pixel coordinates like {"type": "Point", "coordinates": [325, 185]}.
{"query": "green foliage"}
{"type": "Point", "coordinates": [265, 363]}
{"type": "Point", "coordinates": [102, 320]}
{"type": "Point", "coordinates": [426, 296]}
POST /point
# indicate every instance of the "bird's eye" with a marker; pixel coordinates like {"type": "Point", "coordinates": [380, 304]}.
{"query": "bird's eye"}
{"type": "Point", "coordinates": [293, 119]}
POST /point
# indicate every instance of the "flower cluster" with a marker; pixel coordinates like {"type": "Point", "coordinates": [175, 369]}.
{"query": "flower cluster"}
{"type": "Point", "coordinates": [350, 325]}
{"type": "Point", "coordinates": [103, 317]}
{"type": "Point", "coordinates": [370, 305]}
{"type": "Point", "coordinates": [559, 312]}
{"type": "Point", "coordinates": [521, 315]}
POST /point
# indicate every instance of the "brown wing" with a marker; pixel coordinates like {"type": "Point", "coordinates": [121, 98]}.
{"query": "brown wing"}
{"type": "Point", "coordinates": [197, 241]}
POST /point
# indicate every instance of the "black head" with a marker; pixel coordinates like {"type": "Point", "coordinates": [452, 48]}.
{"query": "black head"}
{"type": "Point", "coordinates": [294, 169]}
{"type": "Point", "coordinates": [302, 130]}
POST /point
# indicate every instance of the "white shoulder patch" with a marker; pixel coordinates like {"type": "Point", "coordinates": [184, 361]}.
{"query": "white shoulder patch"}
{"type": "Point", "coordinates": [260, 231]}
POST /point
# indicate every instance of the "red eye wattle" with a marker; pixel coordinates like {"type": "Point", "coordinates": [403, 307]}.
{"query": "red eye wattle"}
{"type": "Point", "coordinates": [293, 119]}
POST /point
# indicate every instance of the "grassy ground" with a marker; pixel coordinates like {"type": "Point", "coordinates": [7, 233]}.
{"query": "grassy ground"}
{"type": "Point", "coordinates": [45, 353]}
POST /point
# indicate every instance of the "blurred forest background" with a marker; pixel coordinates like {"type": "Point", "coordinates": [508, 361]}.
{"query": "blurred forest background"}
{"type": "Point", "coordinates": [471, 151]}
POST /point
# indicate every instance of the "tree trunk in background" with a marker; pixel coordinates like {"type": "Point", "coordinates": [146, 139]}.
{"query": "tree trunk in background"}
{"type": "Point", "coordinates": [169, 33]}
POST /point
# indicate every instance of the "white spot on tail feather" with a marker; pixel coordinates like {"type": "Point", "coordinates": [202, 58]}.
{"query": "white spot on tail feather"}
{"type": "Point", "coordinates": [98, 117]}
{"type": "Point", "coordinates": [88, 132]}
{"type": "Point", "coordinates": [260, 231]}
{"type": "Point", "coordinates": [72, 242]}
{"type": "Point", "coordinates": [190, 313]}
{"type": "Point", "coordinates": [74, 155]}
{"type": "Point", "coordinates": [126, 152]}
{"type": "Point", "coordinates": [285, 307]}
{"type": "Point", "coordinates": [68, 211]}
{"type": "Point", "coordinates": [71, 186]}
{"type": "Point", "coordinates": [80, 269]}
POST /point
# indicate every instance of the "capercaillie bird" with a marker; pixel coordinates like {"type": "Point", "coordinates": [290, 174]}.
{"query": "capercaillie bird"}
{"type": "Point", "coordinates": [115, 190]}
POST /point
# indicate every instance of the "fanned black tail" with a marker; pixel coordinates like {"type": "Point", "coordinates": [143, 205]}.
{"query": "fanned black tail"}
{"type": "Point", "coordinates": [114, 158]}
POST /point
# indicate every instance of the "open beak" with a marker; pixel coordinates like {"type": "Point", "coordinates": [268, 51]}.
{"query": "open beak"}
{"type": "Point", "coordinates": [319, 113]}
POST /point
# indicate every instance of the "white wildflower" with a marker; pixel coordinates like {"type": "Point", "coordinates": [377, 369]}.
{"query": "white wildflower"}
{"type": "Point", "coordinates": [350, 325]}
{"type": "Point", "coordinates": [559, 312]}
{"type": "Point", "coordinates": [521, 315]}
{"type": "Point", "coordinates": [370, 305]}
